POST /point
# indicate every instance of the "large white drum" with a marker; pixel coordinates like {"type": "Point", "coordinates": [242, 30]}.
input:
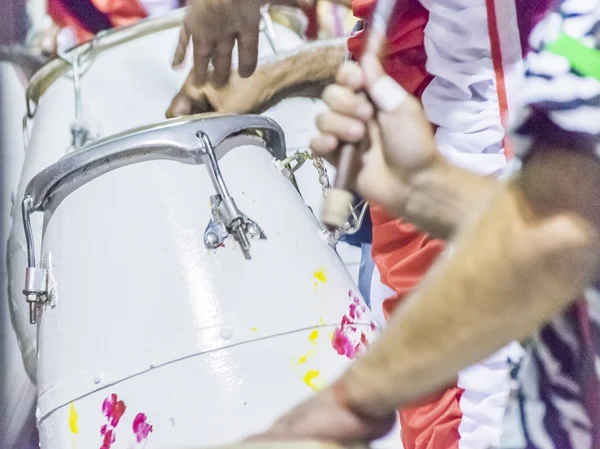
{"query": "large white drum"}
{"type": "Point", "coordinates": [121, 81]}
{"type": "Point", "coordinates": [156, 329]}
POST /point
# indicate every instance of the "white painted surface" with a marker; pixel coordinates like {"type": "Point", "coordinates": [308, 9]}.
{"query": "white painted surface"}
{"type": "Point", "coordinates": [138, 293]}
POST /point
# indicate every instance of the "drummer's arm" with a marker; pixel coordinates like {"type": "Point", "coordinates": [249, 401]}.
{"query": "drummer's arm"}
{"type": "Point", "coordinates": [303, 73]}
{"type": "Point", "coordinates": [512, 269]}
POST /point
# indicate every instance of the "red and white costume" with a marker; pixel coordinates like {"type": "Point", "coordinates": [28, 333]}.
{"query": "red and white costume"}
{"type": "Point", "coordinates": [80, 20]}
{"type": "Point", "coordinates": [462, 58]}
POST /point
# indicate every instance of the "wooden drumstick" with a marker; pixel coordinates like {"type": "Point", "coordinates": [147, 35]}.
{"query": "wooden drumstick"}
{"type": "Point", "coordinates": [336, 209]}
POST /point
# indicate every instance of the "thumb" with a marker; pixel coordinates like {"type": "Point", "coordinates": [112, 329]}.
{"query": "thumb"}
{"type": "Point", "coordinates": [180, 106]}
{"type": "Point", "coordinates": [384, 92]}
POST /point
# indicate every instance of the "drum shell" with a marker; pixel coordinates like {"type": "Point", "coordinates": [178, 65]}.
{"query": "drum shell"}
{"type": "Point", "coordinates": [181, 333]}
{"type": "Point", "coordinates": [125, 87]}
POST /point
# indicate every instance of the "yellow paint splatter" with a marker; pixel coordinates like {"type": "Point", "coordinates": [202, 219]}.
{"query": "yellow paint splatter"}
{"type": "Point", "coordinates": [302, 359]}
{"type": "Point", "coordinates": [330, 336]}
{"type": "Point", "coordinates": [73, 418]}
{"type": "Point", "coordinates": [320, 275]}
{"type": "Point", "coordinates": [321, 321]}
{"type": "Point", "coordinates": [253, 329]}
{"type": "Point", "coordinates": [310, 377]}
{"type": "Point", "coordinates": [313, 336]}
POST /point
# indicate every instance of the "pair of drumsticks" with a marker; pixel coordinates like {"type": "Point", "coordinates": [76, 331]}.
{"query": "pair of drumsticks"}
{"type": "Point", "coordinates": [336, 206]}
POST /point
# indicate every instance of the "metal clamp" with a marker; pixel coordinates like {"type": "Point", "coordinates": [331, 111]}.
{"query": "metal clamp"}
{"type": "Point", "coordinates": [36, 278]}
{"type": "Point", "coordinates": [227, 218]}
{"type": "Point", "coordinates": [79, 132]}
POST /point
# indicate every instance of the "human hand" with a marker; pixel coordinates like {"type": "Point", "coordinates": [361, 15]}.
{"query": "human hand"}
{"type": "Point", "coordinates": [326, 418]}
{"type": "Point", "coordinates": [213, 26]}
{"type": "Point", "coordinates": [241, 96]}
{"type": "Point", "coordinates": [402, 141]}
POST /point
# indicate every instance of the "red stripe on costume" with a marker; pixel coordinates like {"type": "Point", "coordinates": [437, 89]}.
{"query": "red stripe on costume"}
{"type": "Point", "coordinates": [496, 51]}
{"type": "Point", "coordinates": [402, 253]}
{"type": "Point", "coordinates": [433, 425]}
{"type": "Point", "coordinates": [120, 13]}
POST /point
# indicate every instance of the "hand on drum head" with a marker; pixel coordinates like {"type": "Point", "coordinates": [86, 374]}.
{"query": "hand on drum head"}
{"type": "Point", "coordinates": [402, 141]}
{"type": "Point", "coordinates": [213, 27]}
{"type": "Point", "coordinates": [241, 96]}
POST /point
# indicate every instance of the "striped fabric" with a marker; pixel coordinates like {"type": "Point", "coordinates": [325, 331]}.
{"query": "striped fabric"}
{"type": "Point", "coordinates": [557, 402]}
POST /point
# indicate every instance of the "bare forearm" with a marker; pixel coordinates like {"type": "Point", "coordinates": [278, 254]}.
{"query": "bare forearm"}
{"type": "Point", "coordinates": [443, 197]}
{"type": "Point", "coordinates": [512, 268]}
{"type": "Point", "coordinates": [303, 72]}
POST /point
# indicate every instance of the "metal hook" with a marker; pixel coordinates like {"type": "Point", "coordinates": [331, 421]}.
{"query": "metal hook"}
{"type": "Point", "coordinates": [267, 27]}
{"type": "Point", "coordinates": [36, 279]}
{"type": "Point", "coordinates": [224, 207]}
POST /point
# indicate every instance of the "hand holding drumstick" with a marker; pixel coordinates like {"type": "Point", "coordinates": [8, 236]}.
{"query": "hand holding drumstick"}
{"type": "Point", "coordinates": [401, 138]}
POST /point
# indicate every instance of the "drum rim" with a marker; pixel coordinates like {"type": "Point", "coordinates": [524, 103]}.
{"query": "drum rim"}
{"type": "Point", "coordinates": [41, 186]}
{"type": "Point", "coordinates": [43, 78]}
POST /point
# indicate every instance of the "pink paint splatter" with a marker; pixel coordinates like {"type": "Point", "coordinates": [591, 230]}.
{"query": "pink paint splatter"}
{"type": "Point", "coordinates": [113, 409]}
{"type": "Point", "coordinates": [342, 344]}
{"type": "Point", "coordinates": [108, 438]}
{"type": "Point", "coordinates": [346, 339]}
{"type": "Point", "coordinates": [141, 428]}
{"type": "Point", "coordinates": [353, 311]}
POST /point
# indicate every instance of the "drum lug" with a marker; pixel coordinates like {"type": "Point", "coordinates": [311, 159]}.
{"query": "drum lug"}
{"type": "Point", "coordinates": [216, 232]}
{"type": "Point", "coordinates": [80, 135]}
{"type": "Point", "coordinates": [235, 222]}
{"type": "Point", "coordinates": [218, 229]}
{"type": "Point", "coordinates": [79, 132]}
{"type": "Point", "coordinates": [36, 278]}
{"type": "Point", "coordinates": [36, 290]}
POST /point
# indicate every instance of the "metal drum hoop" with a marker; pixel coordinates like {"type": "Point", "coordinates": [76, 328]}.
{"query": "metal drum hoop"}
{"type": "Point", "coordinates": [195, 140]}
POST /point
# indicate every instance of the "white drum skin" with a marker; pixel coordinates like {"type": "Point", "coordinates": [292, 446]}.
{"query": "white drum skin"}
{"type": "Point", "coordinates": [208, 346]}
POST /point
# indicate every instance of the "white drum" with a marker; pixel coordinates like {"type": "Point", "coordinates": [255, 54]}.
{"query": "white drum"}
{"type": "Point", "coordinates": [124, 80]}
{"type": "Point", "coordinates": [184, 293]}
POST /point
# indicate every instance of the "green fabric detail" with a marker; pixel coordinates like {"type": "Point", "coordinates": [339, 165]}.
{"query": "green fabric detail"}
{"type": "Point", "coordinates": [584, 61]}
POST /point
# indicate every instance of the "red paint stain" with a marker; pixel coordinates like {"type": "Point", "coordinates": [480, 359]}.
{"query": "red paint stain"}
{"type": "Point", "coordinates": [113, 409]}
{"type": "Point", "coordinates": [347, 340]}
{"type": "Point", "coordinates": [141, 428]}
{"type": "Point", "coordinates": [108, 438]}
{"type": "Point", "coordinates": [342, 344]}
